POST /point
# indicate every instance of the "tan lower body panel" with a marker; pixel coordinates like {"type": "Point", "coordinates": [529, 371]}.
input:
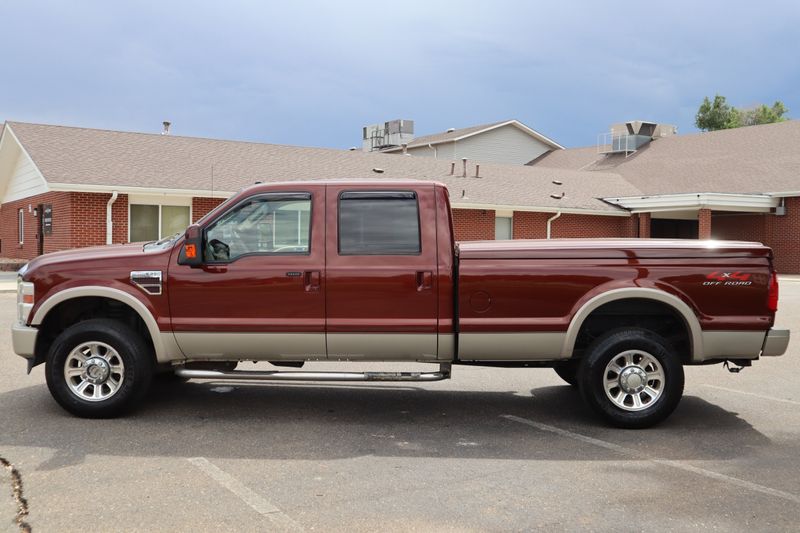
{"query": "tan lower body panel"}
{"type": "Point", "coordinates": [383, 346]}
{"type": "Point", "coordinates": [255, 346]}
{"type": "Point", "coordinates": [536, 346]}
{"type": "Point", "coordinates": [734, 344]}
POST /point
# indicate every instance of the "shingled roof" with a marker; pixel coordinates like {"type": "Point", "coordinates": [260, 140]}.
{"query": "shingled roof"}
{"type": "Point", "coordinates": [102, 160]}
{"type": "Point", "coordinates": [754, 159]}
{"type": "Point", "coordinates": [462, 133]}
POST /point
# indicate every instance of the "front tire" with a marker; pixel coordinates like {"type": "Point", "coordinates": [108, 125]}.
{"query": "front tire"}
{"type": "Point", "coordinates": [98, 368]}
{"type": "Point", "coordinates": [632, 378]}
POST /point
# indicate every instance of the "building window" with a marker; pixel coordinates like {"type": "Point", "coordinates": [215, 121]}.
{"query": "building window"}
{"type": "Point", "coordinates": [21, 226]}
{"type": "Point", "coordinates": [379, 223]}
{"type": "Point", "coordinates": [153, 222]}
{"type": "Point", "coordinates": [503, 228]}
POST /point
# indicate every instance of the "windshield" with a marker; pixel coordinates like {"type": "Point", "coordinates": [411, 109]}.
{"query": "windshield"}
{"type": "Point", "coordinates": [162, 244]}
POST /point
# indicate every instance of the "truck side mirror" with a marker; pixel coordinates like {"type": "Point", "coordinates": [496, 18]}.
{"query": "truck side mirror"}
{"type": "Point", "coordinates": [192, 249]}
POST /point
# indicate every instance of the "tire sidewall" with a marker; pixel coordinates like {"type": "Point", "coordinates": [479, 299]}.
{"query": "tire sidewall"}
{"type": "Point", "coordinates": [132, 351]}
{"type": "Point", "coordinates": [591, 377]}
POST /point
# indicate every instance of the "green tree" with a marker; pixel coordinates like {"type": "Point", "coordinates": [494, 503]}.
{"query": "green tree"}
{"type": "Point", "coordinates": [716, 115]}
{"type": "Point", "coordinates": [719, 115]}
{"type": "Point", "coordinates": [763, 114]}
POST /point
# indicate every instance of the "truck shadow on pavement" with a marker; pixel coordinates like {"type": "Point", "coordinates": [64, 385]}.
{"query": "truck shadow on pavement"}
{"type": "Point", "coordinates": [323, 422]}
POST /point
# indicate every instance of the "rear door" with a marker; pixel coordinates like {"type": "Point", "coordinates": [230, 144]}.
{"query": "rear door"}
{"type": "Point", "coordinates": [381, 273]}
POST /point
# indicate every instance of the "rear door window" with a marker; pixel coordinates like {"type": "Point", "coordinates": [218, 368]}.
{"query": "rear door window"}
{"type": "Point", "coordinates": [379, 223]}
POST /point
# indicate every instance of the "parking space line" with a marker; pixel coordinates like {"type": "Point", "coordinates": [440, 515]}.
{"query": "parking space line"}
{"type": "Point", "coordinates": [762, 396]}
{"type": "Point", "coordinates": [248, 496]}
{"type": "Point", "coordinates": [754, 487]}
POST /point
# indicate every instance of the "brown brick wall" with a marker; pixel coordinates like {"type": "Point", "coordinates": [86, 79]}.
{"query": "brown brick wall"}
{"type": "Point", "coordinates": [79, 219]}
{"type": "Point", "coordinates": [62, 226]}
{"type": "Point", "coordinates": [473, 224]}
{"type": "Point", "coordinates": [704, 224]}
{"type": "Point", "coordinates": [201, 206]}
{"type": "Point", "coordinates": [644, 225]}
{"type": "Point", "coordinates": [781, 233]}
{"type": "Point", "coordinates": [569, 226]}
{"type": "Point", "coordinates": [89, 224]}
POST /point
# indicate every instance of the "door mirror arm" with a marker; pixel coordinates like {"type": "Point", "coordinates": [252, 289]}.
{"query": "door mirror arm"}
{"type": "Point", "coordinates": [191, 252]}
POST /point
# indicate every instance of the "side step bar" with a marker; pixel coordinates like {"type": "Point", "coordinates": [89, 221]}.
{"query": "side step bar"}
{"type": "Point", "coordinates": [283, 375]}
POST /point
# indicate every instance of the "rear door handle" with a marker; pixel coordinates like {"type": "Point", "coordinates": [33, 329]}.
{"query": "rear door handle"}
{"type": "Point", "coordinates": [424, 280]}
{"type": "Point", "coordinates": [311, 280]}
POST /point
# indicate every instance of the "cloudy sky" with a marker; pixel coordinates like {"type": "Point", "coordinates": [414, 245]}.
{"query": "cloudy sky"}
{"type": "Point", "coordinates": [313, 72]}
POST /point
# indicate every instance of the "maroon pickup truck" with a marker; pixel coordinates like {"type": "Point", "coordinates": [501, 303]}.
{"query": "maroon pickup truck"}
{"type": "Point", "coordinates": [369, 271]}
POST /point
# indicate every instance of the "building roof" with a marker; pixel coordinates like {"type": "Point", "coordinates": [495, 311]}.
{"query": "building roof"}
{"type": "Point", "coordinates": [462, 133]}
{"type": "Point", "coordinates": [100, 160]}
{"type": "Point", "coordinates": [753, 159]}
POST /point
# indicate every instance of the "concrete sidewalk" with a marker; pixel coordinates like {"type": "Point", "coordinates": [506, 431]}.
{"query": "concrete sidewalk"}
{"type": "Point", "coordinates": [8, 282]}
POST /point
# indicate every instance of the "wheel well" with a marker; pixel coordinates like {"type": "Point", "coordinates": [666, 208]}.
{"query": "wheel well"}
{"type": "Point", "coordinates": [74, 310]}
{"type": "Point", "coordinates": [648, 314]}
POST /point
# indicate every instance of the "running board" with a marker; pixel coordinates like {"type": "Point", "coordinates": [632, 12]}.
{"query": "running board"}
{"type": "Point", "coordinates": [284, 375]}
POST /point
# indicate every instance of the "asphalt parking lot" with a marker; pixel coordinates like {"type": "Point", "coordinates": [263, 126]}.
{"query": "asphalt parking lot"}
{"type": "Point", "coordinates": [491, 449]}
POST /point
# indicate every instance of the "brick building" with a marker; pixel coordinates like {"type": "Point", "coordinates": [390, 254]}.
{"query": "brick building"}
{"type": "Point", "coordinates": [738, 184]}
{"type": "Point", "coordinates": [96, 186]}
{"type": "Point", "coordinates": [114, 187]}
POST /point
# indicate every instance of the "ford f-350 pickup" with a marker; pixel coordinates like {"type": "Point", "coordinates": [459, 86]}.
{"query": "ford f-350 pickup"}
{"type": "Point", "coordinates": [369, 271]}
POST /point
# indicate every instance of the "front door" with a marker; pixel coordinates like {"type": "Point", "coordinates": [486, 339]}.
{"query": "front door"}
{"type": "Point", "coordinates": [381, 273]}
{"type": "Point", "coordinates": [261, 293]}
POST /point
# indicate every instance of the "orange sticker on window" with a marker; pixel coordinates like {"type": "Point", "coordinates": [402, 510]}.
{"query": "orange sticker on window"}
{"type": "Point", "coordinates": [191, 251]}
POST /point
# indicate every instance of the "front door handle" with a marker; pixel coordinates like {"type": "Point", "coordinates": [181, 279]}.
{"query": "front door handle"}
{"type": "Point", "coordinates": [424, 280]}
{"type": "Point", "coordinates": [311, 280]}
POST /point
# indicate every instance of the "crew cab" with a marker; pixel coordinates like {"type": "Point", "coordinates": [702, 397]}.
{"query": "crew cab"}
{"type": "Point", "coordinates": [286, 273]}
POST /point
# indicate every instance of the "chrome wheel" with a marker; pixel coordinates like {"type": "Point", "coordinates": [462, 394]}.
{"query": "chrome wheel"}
{"type": "Point", "coordinates": [94, 371]}
{"type": "Point", "coordinates": [634, 380]}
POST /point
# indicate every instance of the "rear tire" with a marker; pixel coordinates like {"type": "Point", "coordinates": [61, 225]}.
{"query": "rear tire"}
{"type": "Point", "coordinates": [632, 378]}
{"type": "Point", "coordinates": [99, 368]}
{"type": "Point", "coordinates": [568, 371]}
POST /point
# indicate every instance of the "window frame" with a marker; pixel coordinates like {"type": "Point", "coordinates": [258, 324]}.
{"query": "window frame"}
{"type": "Point", "coordinates": [21, 225]}
{"type": "Point", "coordinates": [278, 195]}
{"type": "Point", "coordinates": [510, 227]}
{"type": "Point", "coordinates": [376, 193]}
{"type": "Point", "coordinates": [139, 201]}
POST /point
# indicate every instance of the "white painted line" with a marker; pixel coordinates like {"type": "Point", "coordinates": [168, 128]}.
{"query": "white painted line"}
{"type": "Point", "coordinates": [254, 500]}
{"type": "Point", "coordinates": [762, 396]}
{"type": "Point", "coordinates": [754, 487]}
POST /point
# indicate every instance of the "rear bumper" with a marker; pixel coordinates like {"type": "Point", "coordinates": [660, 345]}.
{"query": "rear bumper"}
{"type": "Point", "coordinates": [23, 339]}
{"type": "Point", "coordinates": [775, 343]}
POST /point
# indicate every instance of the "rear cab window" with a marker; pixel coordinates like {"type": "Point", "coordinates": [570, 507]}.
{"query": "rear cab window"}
{"type": "Point", "coordinates": [379, 223]}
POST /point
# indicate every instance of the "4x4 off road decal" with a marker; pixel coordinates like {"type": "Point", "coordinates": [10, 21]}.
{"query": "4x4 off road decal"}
{"type": "Point", "coordinates": [728, 278]}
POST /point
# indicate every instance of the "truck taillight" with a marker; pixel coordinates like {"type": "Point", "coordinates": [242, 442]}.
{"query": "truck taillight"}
{"type": "Point", "coordinates": [772, 300]}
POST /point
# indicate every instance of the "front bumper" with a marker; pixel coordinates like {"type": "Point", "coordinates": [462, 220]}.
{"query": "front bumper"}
{"type": "Point", "coordinates": [23, 339]}
{"type": "Point", "coordinates": [775, 343]}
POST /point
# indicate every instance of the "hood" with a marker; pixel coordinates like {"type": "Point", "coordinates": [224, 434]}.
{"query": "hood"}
{"type": "Point", "coordinates": [95, 256]}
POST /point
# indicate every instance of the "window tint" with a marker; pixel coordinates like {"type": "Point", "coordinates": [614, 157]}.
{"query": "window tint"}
{"type": "Point", "coordinates": [263, 225]}
{"type": "Point", "coordinates": [379, 223]}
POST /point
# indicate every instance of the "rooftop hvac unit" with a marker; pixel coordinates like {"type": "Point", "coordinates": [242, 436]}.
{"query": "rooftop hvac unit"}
{"type": "Point", "coordinates": [627, 138]}
{"type": "Point", "coordinates": [387, 135]}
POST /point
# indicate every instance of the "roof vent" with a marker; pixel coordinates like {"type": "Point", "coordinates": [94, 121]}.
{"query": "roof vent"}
{"type": "Point", "coordinates": [558, 196]}
{"type": "Point", "coordinates": [377, 170]}
{"type": "Point", "coordinates": [558, 182]}
{"type": "Point", "coordinates": [166, 124]}
{"type": "Point", "coordinates": [450, 130]}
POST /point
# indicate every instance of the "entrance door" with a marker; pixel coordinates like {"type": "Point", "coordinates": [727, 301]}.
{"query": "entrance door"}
{"type": "Point", "coordinates": [261, 292]}
{"type": "Point", "coordinates": [381, 273]}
